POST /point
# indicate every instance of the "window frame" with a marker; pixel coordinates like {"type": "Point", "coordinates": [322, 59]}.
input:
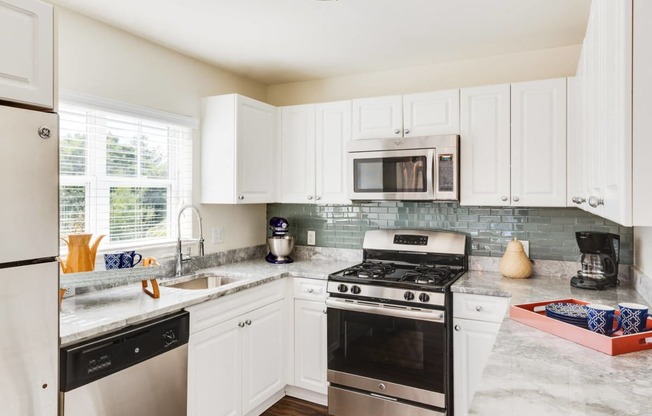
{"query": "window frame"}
{"type": "Point", "coordinates": [98, 183]}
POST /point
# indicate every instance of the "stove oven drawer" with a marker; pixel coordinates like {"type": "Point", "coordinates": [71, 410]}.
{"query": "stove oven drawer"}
{"type": "Point", "coordinates": [480, 307]}
{"type": "Point", "coordinates": [310, 289]}
{"type": "Point", "coordinates": [343, 402]}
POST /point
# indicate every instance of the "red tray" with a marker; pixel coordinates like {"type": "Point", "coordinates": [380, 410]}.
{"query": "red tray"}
{"type": "Point", "coordinates": [534, 315]}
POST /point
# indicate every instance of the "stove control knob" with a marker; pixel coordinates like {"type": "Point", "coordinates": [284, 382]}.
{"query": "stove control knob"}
{"type": "Point", "coordinates": [408, 296]}
{"type": "Point", "coordinates": [342, 288]}
{"type": "Point", "coordinates": [424, 297]}
{"type": "Point", "coordinates": [355, 290]}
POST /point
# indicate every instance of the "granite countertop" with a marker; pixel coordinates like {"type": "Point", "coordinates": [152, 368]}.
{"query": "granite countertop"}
{"type": "Point", "coordinates": [97, 312]}
{"type": "Point", "coordinates": [535, 373]}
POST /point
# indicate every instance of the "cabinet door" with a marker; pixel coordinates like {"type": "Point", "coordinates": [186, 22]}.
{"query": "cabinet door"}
{"type": "Point", "coordinates": [297, 156]}
{"type": "Point", "coordinates": [538, 143]}
{"type": "Point", "coordinates": [431, 113]}
{"type": "Point", "coordinates": [26, 45]}
{"type": "Point", "coordinates": [310, 345]}
{"type": "Point", "coordinates": [256, 154]}
{"type": "Point", "coordinates": [472, 345]}
{"type": "Point", "coordinates": [333, 131]}
{"type": "Point", "coordinates": [263, 349]}
{"type": "Point", "coordinates": [378, 117]}
{"type": "Point", "coordinates": [214, 370]}
{"type": "Point", "coordinates": [484, 144]}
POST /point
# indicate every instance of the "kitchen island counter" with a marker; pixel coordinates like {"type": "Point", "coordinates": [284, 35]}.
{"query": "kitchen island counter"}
{"type": "Point", "coordinates": [534, 373]}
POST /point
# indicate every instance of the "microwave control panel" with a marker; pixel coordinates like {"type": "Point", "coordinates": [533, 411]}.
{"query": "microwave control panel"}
{"type": "Point", "coordinates": [446, 173]}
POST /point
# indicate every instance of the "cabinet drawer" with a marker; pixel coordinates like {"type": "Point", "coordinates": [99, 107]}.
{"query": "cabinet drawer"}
{"type": "Point", "coordinates": [309, 289]}
{"type": "Point", "coordinates": [480, 307]}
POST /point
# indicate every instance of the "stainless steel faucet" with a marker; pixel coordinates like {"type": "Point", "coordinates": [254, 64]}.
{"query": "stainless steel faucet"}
{"type": "Point", "coordinates": [180, 258]}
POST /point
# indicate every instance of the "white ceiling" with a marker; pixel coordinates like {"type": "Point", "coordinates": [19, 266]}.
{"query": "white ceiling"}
{"type": "Point", "coordinates": [278, 41]}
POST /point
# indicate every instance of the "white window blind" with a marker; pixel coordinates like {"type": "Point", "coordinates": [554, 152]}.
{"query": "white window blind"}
{"type": "Point", "coordinates": [124, 176]}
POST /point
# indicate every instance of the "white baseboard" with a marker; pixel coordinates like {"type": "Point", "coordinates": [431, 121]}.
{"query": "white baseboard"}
{"type": "Point", "coordinates": [267, 403]}
{"type": "Point", "coordinates": [307, 395]}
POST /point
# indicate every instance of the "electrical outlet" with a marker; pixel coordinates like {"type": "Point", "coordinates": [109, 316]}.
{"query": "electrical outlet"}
{"type": "Point", "coordinates": [526, 247]}
{"type": "Point", "coordinates": [311, 238]}
{"type": "Point", "coordinates": [218, 235]}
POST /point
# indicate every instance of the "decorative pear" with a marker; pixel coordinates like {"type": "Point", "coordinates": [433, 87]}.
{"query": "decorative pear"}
{"type": "Point", "coordinates": [515, 264]}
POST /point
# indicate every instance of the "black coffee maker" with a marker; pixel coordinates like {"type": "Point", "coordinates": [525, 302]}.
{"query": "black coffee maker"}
{"type": "Point", "coordinates": [600, 254]}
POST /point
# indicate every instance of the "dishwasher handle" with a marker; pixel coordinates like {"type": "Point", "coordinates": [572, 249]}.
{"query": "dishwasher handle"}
{"type": "Point", "coordinates": [97, 358]}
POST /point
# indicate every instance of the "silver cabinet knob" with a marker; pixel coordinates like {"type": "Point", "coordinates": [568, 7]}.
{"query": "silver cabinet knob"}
{"type": "Point", "coordinates": [44, 132]}
{"type": "Point", "coordinates": [325, 311]}
{"type": "Point", "coordinates": [397, 131]}
{"type": "Point", "coordinates": [240, 197]}
{"type": "Point", "coordinates": [406, 131]}
{"type": "Point", "coordinates": [318, 198]}
{"type": "Point", "coordinates": [241, 324]}
{"type": "Point", "coordinates": [478, 308]}
{"type": "Point", "coordinates": [595, 201]}
{"type": "Point", "coordinates": [248, 322]}
{"type": "Point", "coordinates": [457, 328]}
{"type": "Point", "coordinates": [309, 197]}
{"type": "Point", "coordinates": [311, 290]}
{"type": "Point", "coordinates": [515, 199]}
{"type": "Point", "coordinates": [504, 198]}
{"type": "Point", "coordinates": [578, 200]}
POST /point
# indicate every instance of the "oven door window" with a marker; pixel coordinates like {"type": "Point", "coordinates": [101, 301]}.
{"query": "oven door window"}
{"type": "Point", "coordinates": [407, 174]}
{"type": "Point", "coordinates": [399, 350]}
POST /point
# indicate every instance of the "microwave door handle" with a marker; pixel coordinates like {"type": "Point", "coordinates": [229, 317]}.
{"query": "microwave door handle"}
{"type": "Point", "coordinates": [432, 168]}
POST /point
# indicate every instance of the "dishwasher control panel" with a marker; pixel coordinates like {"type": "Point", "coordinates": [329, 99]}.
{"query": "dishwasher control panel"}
{"type": "Point", "coordinates": [99, 357]}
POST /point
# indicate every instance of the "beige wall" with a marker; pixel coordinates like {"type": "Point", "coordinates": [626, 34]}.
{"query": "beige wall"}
{"type": "Point", "coordinates": [98, 59]}
{"type": "Point", "coordinates": [643, 249]}
{"type": "Point", "coordinates": [547, 63]}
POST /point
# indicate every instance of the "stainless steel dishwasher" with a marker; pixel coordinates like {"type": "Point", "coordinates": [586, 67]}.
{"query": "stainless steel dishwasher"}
{"type": "Point", "coordinates": [140, 371]}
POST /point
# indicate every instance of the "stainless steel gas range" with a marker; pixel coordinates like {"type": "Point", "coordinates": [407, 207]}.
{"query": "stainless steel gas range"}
{"type": "Point", "coordinates": [390, 325]}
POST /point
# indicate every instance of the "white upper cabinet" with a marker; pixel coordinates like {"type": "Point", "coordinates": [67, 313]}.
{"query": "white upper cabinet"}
{"type": "Point", "coordinates": [412, 115]}
{"type": "Point", "coordinates": [484, 145]}
{"type": "Point", "coordinates": [538, 143]}
{"type": "Point", "coordinates": [513, 144]}
{"type": "Point", "coordinates": [26, 48]}
{"type": "Point", "coordinates": [238, 162]}
{"type": "Point", "coordinates": [313, 153]}
{"type": "Point", "coordinates": [613, 114]}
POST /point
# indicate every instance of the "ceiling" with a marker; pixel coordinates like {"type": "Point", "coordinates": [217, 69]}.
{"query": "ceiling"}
{"type": "Point", "coordinates": [279, 41]}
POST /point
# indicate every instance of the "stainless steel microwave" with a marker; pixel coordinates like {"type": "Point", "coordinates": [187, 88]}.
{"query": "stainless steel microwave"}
{"type": "Point", "coordinates": [416, 168]}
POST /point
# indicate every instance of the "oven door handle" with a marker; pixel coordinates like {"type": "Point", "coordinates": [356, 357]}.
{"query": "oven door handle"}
{"type": "Point", "coordinates": [379, 309]}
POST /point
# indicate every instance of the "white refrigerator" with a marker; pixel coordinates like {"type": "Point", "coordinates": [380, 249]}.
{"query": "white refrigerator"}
{"type": "Point", "coordinates": [29, 274]}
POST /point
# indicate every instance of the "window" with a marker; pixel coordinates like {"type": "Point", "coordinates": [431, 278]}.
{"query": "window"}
{"type": "Point", "coordinates": [123, 174]}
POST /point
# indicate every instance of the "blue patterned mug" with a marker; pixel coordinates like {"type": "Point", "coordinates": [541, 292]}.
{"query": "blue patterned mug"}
{"type": "Point", "coordinates": [601, 319]}
{"type": "Point", "coordinates": [128, 259]}
{"type": "Point", "coordinates": [112, 261]}
{"type": "Point", "coordinates": [634, 317]}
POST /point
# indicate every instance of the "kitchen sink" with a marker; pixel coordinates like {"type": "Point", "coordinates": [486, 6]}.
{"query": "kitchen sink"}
{"type": "Point", "coordinates": [206, 281]}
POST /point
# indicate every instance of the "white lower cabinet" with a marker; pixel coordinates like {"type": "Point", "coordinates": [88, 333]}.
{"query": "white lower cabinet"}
{"type": "Point", "coordinates": [310, 346]}
{"type": "Point", "coordinates": [476, 322]}
{"type": "Point", "coordinates": [237, 366]}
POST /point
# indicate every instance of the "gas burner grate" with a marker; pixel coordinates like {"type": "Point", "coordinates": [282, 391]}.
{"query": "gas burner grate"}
{"type": "Point", "coordinates": [371, 270]}
{"type": "Point", "coordinates": [429, 275]}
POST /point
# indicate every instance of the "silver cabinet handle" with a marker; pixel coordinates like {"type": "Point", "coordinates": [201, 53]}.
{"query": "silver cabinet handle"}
{"type": "Point", "coordinates": [397, 131]}
{"type": "Point", "coordinates": [406, 131]}
{"type": "Point", "coordinates": [594, 201]}
{"type": "Point", "coordinates": [457, 328]}
{"type": "Point", "coordinates": [240, 197]}
{"type": "Point", "coordinates": [504, 198]}
{"type": "Point", "coordinates": [515, 199]}
{"type": "Point", "coordinates": [309, 197]}
{"type": "Point", "coordinates": [44, 132]}
{"type": "Point", "coordinates": [241, 324]}
{"type": "Point", "coordinates": [578, 200]}
{"type": "Point", "coordinates": [318, 198]}
{"type": "Point", "coordinates": [478, 308]}
{"type": "Point", "coordinates": [248, 322]}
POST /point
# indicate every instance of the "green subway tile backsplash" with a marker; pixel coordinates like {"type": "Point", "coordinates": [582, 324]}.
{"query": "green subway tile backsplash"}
{"type": "Point", "coordinates": [550, 231]}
